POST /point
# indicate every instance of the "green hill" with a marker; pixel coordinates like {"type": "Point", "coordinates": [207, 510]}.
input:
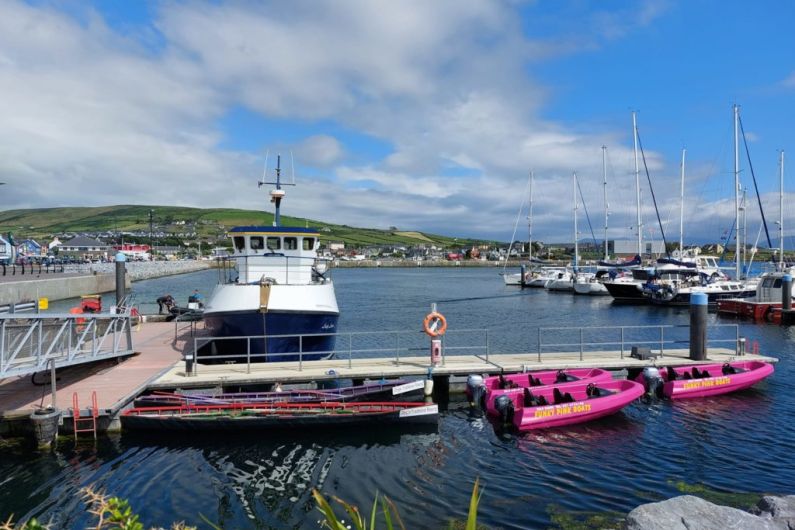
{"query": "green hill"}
{"type": "Point", "coordinates": [209, 224]}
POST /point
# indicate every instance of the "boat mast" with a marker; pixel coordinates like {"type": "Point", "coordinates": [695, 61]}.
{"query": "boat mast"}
{"type": "Point", "coordinates": [781, 211]}
{"type": "Point", "coordinates": [737, 192]}
{"type": "Point", "coordinates": [530, 222]}
{"type": "Point", "coordinates": [576, 245]}
{"type": "Point", "coordinates": [604, 182]}
{"type": "Point", "coordinates": [639, 224]}
{"type": "Point", "coordinates": [276, 194]}
{"type": "Point", "coordinates": [682, 207]}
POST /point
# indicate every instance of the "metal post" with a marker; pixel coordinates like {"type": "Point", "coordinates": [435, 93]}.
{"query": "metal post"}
{"type": "Point", "coordinates": [662, 340]}
{"type": "Point", "coordinates": [248, 355]}
{"type": "Point", "coordinates": [581, 345]}
{"type": "Point", "coordinates": [120, 279]}
{"type": "Point", "coordinates": [397, 349]}
{"type": "Point", "coordinates": [52, 384]}
{"type": "Point", "coordinates": [786, 292]}
{"type": "Point", "coordinates": [350, 350]}
{"type": "Point", "coordinates": [539, 344]}
{"type": "Point", "coordinates": [300, 353]}
{"type": "Point", "coordinates": [522, 272]}
{"type": "Point", "coordinates": [698, 326]}
{"type": "Point", "coordinates": [741, 346]}
{"type": "Point", "coordinates": [622, 342]}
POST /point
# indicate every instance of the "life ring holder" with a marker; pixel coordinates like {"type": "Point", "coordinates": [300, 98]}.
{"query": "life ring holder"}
{"type": "Point", "coordinates": [434, 325]}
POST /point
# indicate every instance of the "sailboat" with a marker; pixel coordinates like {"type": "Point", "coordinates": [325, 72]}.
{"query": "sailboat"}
{"type": "Point", "coordinates": [281, 290]}
{"type": "Point", "coordinates": [566, 278]}
{"type": "Point", "coordinates": [594, 285]}
{"type": "Point", "coordinates": [677, 289]}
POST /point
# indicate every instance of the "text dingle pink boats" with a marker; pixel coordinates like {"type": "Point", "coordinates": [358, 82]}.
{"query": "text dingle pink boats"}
{"type": "Point", "coordinates": [567, 404]}
{"type": "Point", "coordinates": [514, 384]}
{"type": "Point", "coordinates": [712, 379]}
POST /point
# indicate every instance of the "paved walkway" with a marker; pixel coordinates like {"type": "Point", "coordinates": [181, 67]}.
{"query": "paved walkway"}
{"type": "Point", "coordinates": [115, 383]}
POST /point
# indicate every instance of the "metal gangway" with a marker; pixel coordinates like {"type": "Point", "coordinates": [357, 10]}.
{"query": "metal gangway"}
{"type": "Point", "coordinates": [31, 343]}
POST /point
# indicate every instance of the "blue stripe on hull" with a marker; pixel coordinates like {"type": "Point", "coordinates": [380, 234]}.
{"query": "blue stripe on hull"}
{"type": "Point", "coordinates": [256, 323]}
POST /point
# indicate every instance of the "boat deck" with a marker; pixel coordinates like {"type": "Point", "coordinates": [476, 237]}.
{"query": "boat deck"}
{"type": "Point", "coordinates": [158, 364]}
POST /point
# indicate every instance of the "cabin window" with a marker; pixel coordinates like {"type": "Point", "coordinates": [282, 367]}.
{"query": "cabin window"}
{"type": "Point", "coordinates": [290, 243]}
{"type": "Point", "coordinates": [240, 243]}
{"type": "Point", "coordinates": [256, 243]}
{"type": "Point", "coordinates": [767, 282]}
{"type": "Point", "coordinates": [309, 243]}
{"type": "Point", "coordinates": [274, 243]}
{"type": "Point", "coordinates": [777, 283]}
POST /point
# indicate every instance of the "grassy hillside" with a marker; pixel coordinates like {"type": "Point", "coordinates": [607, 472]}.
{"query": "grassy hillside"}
{"type": "Point", "coordinates": [209, 224]}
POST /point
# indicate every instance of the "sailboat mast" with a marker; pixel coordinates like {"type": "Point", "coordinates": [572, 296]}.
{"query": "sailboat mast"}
{"type": "Point", "coordinates": [576, 244]}
{"type": "Point", "coordinates": [530, 222]}
{"type": "Point", "coordinates": [637, 183]}
{"type": "Point", "coordinates": [781, 211]}
{"type": "Point", "coordinates": [737, 191]}
{"type": "Point", "coordinates": [604, 185]}
{"type": "Point", "coordinates": [682, 207]}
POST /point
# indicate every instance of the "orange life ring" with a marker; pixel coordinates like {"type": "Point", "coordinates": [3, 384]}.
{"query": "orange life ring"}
{"type": "Point", "coordinates": [434, 324]}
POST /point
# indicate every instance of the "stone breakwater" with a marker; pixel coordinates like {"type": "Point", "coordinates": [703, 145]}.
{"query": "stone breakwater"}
{"type": "Point", "coordinates": [146, 270]}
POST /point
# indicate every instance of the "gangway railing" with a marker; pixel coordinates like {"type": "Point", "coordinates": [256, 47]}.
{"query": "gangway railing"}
{"type": "Point", "coordinates": [30, 343]}
{"type": "Point", "coordinates": [482, 343]}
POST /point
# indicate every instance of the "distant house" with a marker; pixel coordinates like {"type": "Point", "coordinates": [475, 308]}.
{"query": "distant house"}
{"type": "Point", "coordinates": [335, 246]}
{"type": "Point", "coordinates": [134, 252]}
{"type": "Point", "coordinates": [85, 247]}
{"type": "Point", "coordinates": [53, 246]}
{"type": "Point", "coordinates": [6, 251]}
{"type": "Point", "coordinates": [29, 247]}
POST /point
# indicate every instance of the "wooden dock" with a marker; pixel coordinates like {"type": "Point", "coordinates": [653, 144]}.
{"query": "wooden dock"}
{"type": "Point", "coordinates": [158, 365]}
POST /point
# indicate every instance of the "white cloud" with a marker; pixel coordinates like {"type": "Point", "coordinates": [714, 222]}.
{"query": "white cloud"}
{"type": "Point", "coordinates": [92, 117]}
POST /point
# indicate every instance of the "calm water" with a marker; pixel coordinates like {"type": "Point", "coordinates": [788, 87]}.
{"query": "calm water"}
{"type": "Point", "coordinates": [742, 442]}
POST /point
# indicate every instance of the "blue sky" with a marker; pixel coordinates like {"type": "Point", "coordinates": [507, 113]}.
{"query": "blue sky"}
{"type": "Point", "coordinates": [422, 115]}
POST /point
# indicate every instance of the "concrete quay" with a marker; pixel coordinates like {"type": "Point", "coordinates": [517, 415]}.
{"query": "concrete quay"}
{"type": "Point", "coordinates": [99, 278]}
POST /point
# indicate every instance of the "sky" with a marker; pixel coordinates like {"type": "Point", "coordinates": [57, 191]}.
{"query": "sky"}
{"type": "Point", "coordinates": [421, 115]}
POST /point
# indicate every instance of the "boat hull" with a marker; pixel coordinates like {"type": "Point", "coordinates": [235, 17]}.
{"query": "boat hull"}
{"type": "Point", "coordinates": [626, 292]}
{"type": "Point", "coordinates": [580, 409]}
{"type": "Point", "coordinates": [683, 298]}
{"type": "Point", "coordinates": [279, 417]}
{"type": "Point", "coordinates": [273, 349]}
{"type": "Point", "coordinates": [719, 383]}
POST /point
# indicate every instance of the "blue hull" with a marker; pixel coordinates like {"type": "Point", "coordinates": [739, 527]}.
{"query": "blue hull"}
{"type": "Point", "coordinates": [273, 323]}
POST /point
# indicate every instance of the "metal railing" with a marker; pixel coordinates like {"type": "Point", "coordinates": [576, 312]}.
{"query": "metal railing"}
{"type": "Point", "coordinates": [610, 338]}
{"type": "Point", "coordinates": [394, 345]}
{"type": "Point", "coordinates": [28, 342]}
{"type": "Point", "coordinates": [278, 264]}
{"type": "Point", "coordinates": [397, 345]}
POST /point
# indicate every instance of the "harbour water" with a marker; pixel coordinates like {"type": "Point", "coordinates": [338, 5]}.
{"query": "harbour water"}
{"type": "Point", "coordinates": [737, 443]}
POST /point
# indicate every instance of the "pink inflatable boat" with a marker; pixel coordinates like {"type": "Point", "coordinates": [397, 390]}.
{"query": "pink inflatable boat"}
{"type": "Point", "coordinates": [705, 380]}
{"type": "Point", "coordinates": [514, 384]}
{"type": "Point", "coordinates": [567, 404]}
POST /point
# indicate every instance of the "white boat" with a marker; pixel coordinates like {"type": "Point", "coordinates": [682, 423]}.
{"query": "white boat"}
{"type": "Point", "coordinates": [592, 285]}
{"type": "Point", "coordinates": [279, 286]}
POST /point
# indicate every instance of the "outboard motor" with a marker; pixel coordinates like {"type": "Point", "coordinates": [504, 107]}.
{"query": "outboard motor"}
{"type": "Point", "coordinates": [476, 390]}
{"type": "Point", "coordinates": [504, 406]}
{"type": "Point", "coordinates": [653, 381]}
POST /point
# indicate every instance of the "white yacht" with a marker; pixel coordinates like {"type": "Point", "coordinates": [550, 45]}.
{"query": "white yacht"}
{"type": "Point", "coordinates": [279, 286]}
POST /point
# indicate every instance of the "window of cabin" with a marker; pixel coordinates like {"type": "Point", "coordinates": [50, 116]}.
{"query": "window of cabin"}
{"type": "Point", "coordinates": [274, 243]}
{"type": "Point", "coordinates": [240, 243]}
{"type": "Point", "coordinates": [777, 283]}
{"type": "Point", "coordinates": [290, 243]}
{"type": "Point", "coordinates": [257, 243]}
{"type": "Point", "coordinates": [309, 243]}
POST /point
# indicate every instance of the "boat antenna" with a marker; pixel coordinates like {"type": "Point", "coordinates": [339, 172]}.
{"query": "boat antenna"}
{"type": "Point", "coordinates": [276, 194]}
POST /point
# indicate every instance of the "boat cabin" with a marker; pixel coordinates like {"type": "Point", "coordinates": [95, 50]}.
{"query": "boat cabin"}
{"type": "Point", "coordinates": [281, 255]}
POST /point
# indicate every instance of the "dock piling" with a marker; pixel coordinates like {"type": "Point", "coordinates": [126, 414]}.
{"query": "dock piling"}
{"type": "Point", "coordinates": [698, 326]}
{"type": "Point", "coordinates": [121, 272]}
{"type": "Point", "coordinates": [523, 270]}
{"type": "Point", "coordinates": [786, 292]}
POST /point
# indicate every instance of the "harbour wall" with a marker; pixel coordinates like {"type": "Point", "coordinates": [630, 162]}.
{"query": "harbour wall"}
{"type": "Point", "coordinates": [100, 279]}
{"type": "Point", "coordinates": [368, 263]}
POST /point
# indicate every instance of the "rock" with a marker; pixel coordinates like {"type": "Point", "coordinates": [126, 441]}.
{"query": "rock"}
{"type": "Point", "coordinates": [688, 513]}
{"type": "Point", "coordinates": [781, 509]}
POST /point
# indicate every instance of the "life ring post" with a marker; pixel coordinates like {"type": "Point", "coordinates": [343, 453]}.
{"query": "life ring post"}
{"type": "Point", "coordinates": [435, 326]}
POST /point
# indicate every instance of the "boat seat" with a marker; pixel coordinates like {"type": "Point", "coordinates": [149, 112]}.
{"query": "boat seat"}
{"type": "Point", "coordinates": [542, 401]}
{"type": "Point", "coordinates": [529, 399]}
{"type": "Point", "coordinates": [533, 381]}
{"type": "Point", "coordinates": [687, 375]}
{"type": "Point", "coordinates": [557, 396]}
{"type": "Point", "coordinates": [568, 398]}
{"type": "Point", "coordinates": [561, 377]}
{"type": "Point", "coordinates": [503, 383]}
{"type": "Point", "coordinates": [672, 375]}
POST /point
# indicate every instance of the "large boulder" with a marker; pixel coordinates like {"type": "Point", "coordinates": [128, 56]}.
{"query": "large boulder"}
{"type": "Point", "coordinates": [781, 509]}
{"type": "Point", "coordinates": [688, 512]}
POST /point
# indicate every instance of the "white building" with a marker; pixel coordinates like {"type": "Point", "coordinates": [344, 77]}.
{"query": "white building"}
{"type": "Point", "coordinates": [6, 251]}
{"type": "Point", "coordinates": [629, 247]}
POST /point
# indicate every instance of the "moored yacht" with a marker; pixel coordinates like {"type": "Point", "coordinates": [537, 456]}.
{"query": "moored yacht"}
{"type": "Point", "coordinates": [279, 287]}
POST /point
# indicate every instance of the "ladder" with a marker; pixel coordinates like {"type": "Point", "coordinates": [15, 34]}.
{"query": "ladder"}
{"type": "Point", "coordinates": [85, 423]}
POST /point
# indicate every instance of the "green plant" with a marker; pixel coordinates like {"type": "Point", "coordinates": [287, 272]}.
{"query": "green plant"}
{"type": "Point", "coordinates": [388, 511]}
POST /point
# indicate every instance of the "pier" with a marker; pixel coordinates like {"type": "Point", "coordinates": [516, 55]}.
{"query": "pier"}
{"type": "Point", "coordinates": [161, 349]}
